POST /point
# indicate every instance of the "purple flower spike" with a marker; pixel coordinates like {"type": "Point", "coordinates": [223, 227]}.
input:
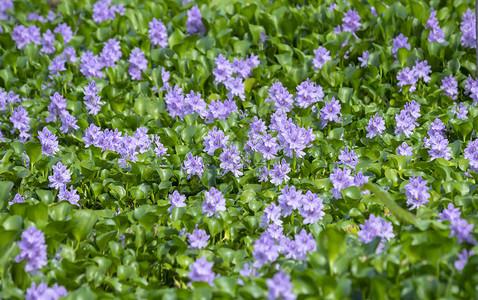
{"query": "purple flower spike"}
{"type": "Point", "coordinates": [61, 176]}
{"type": "Point", "coordinates": [33, 249]}
{"type": "Point", "coordinates": [201, 270]}
{"type": "Point", "coordinates": [280, 287]}
{"type": "Point", "coordinates": [198, 239]}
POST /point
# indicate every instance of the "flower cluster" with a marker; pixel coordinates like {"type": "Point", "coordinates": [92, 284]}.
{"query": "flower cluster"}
{"type": "Point", "coordinates": [416, 191]}
{"type": "Point", "coordinates": [273, 242]}
{"type": "Point", "coordinates": [471, 153]}
{"type": "Point", "coordinates": [21, 121]}
{"type": "Point", "coordinates": [125, 145]}
{"type": "Point", "coordinates": [201, 270]}
{"type": "Point", "coordinates": [376, 126]}
{"type": "Point", "coordinates": [450, 87]}
{"type": "Point", "coordinates": [241, 68]}
{"type": "Point", "coordinates": [49, 142]}
{"type": "Point", "coordinates": [330, 112]}
{"type": "Point", "coordinates": [198, 239]}
{"type": "Point", "coordinates": [176, 200]}
{"type": "Point", "coordinates": [214, 202]}
{"type": "Point", "coordinates": [280, 287]}
{"type": "Point", "coordinates": [158, 33]}
{"type": "Point", "coordinates": [436, 33]}
{"type": "Point", "coordinates": [194, 23]}
{"type": "Point", "coordinates": [351, 23]}
{"type": "Point", "coordinates": [137, 63]}
{"type": "Point", "coordinates": [25, 35]}
{"type": "Point", "coordinates": [459, 227]}
{"type": "Point", "coordinates": [61, 176]}
{"type": "Point", "coordinates": [321, 56]}
{"type": "Point", "coordinates": [468, 29]}
{"type": "Point", "coordinates": [179, 105]}
{"type": "Point", "coordinates": [91, 98]}
{"type": "Point", "coordinates": [308, 93]}
{"type": "Point", "coordinates": [102, 11]}
{"type": "Point", "coordinates": [33, 249]}
{"type": "Point", "coordinates": [309, 205]}
{"type": "Point", "coordinates": [407, 118]}
{"type": "Point", "coordinates": [437, 141]}
{"type": "Point", "coordinates": [42, 291]}
{"type": "Point", "coordinates": [411, 77]}
{"type": "Point", "coordinates": [193, 165]}
{"type": "Point", "coordinates": [400, 41]}
{"type": "Point", "coordinates": [111, 53]}
{"type": "Point", "coordinates": [17, 199]}
{"type": "Point", "coordinates": [342, 178]}
{"type": "Point", "coordinates": [376, 227]}
{"type": "Point", "coordinates": [404, 150]}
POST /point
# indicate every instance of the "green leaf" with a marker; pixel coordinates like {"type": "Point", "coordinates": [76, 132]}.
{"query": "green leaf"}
{"type": "Point", "coordinates": [5, 187]}
{"type": "Point", "coordinates": [84, 220]}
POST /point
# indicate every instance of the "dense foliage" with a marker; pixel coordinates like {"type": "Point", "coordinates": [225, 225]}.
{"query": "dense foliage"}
{"type": "Point", "coordinates": [238, 149]}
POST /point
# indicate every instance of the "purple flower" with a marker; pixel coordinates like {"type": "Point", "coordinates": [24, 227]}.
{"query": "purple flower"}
{"type": "Point", "coordinates": [24, 36]}
{"type": "Point", "coordinates": [57, 107]}
{"type": "Point", "coordinates": [49, 142]}
{"type": "Point", "coordinates": [360, 180]}
{"type": "Point", "coordinates": [201, 270]}
{"type": "Point", "coordinates": [4, 6]}
{"type": "Point", "coordinates": [405, 123]}
{"type": "Point", "coordinates": [61, 176]}
{"type": "Point", "coordinates": [289, 200]}
{"type": "Point", "coordinates": [407, 77]}
{"type": "Point", "coordinates": [65, 31]}
{"type": "Point", "coordinates": [160, 150]}
{"type": "Point", "coordinates": [348, 157]}
{"type": "Point", "coordinates": [33, 249]}
{"type": "Point", "coordinates": [450, 87]}
{"type": "Point", "coordinates": [17, 199]}
{"type": "Point", "coordinates": [463, 259]}
{"type": "Point", "coordinates": [305, 243]}
{"type": "Point", "coordinates": [340, 179]}
{"type": "Point", "coordinates": [272, 213]}
{"type": "Point", "coordinates": [91, 65]}
{"type": "Point", "coordinates": [69, 195]}
{"type": "Point", "coordinates": [330, 112]}
{"type": "Point", "coordinates": [92, 99]}
{"type": "Point", "coordinates": [468, 29]}
{"type": "Point", "coordinates": [68, 122]}
{"type": "Point", "coordinates": [231, 161]}
{"type": "Point", "coordinates": [214, 202]}
{"type": "Point", "coordinates": [48, 42]}
{"type": "Point", "coordinates": [404, 150]}
{"type": "Point", "coordinates": [421, 70]}
{"type": "Point", "coordinates": [111, 53]}
{"type": "Point", "coordinates": [451, 213]}
{"type": "Point", "coordinates": [198, 239]}
{"type": "Point", "coordinates": [438, 145]}
{"type": "Point", "coordinates": [215, 139]}
{"type": "Point", "coordinates": [57, 65]}
{"type": "Point", "coordinates": [308, 93]}
{"type": "Point", "coordinates": [248, 271]}
{"type": "Point", "coordinates": [376, 227]}
{"type": "Point", "coordinates": [471, 153]}
{"type": "Point", "coordinates": [137, 63]}
{"type": "Point", "coordinates": [194, 23]}
{"type": "Point", "coordinates": [102, 11]}
{"type": "Point", "coordinates": [351, 22]}
{"type": "Point", "coordinates": [265, 251]}
{"type": "Point", "coordinates": [461, 229]}
{"type": "Point", "coordinates": [235, 86]}
{"type": "Point", "coordinates": [176, 200]}
{"type": "Point", "coordinates": [416, 191]}
{"type": "Point", "coordinates": [279, 172]}
{"type": "Point", "coordinates": [461, 111]}
{"type": "Point", "coordinates": [311, 209]}
{"type": "Point", "coordinates": [91, 135]}
{"type": "Point", "coordinates": [223, 70]}
{"type": "Point", "coordinates": [376, 126]}
{"type": "Point", "coordinates": [69, 54]}
{"type": "Point", "coordinates": [21, 121]}
{"type": "Point", "coordinates": [400, 41]}
{"type": "Point", "coordinates": [280, 287]}
{"type": "Point", "coordinates": [281, 97]}
{"type": "Point", "coordinates": [322, 55]}
{"type": "Point", "coordinates": [158, 33]}
{"type": "Point", "coordinates": [42, 291]}
{"type": "Point", "coordinates": [364, 59]}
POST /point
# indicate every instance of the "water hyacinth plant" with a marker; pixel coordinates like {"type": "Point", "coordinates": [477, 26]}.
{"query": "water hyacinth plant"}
{"type": "Point", "coordinates": [194, 149]}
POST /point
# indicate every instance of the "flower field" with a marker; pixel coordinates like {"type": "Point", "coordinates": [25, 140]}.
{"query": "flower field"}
{"type": "Point", "coordinates": [238, 149]}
